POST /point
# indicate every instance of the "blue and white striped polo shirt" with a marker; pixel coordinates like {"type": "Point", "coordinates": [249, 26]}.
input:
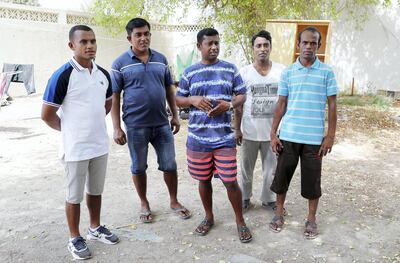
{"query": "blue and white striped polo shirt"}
{"type": "Point", "coordinates": [307, 90]}
{"type": "Point", "coordinates": [145, 88]}
{"type": "Point", "coordinates": [219, 81]}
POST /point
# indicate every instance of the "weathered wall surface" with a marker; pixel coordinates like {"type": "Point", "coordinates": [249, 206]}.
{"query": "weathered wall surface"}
{"type": "Point", "coordinates": [370, 55]}
{"type": "Point", "coordinates": [33, 35]}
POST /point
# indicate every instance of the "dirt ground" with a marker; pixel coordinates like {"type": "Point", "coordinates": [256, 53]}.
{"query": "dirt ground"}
{"type": "Point", "coordinates": [358, 215]}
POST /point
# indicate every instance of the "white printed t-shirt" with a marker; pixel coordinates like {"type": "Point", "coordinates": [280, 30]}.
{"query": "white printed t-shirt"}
{"type": "Point", "coordinates": [262, 96]}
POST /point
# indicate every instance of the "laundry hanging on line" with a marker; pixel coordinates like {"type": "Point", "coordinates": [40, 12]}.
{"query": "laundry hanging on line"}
{"type": "Point", "coordinates": [24, 75]}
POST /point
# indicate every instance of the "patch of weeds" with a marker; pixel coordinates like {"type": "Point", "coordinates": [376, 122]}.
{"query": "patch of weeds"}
{"type": "Point", "coordinates": [378, 101]}
{"type": "Point", "coordinates": [382, 101]}
{"type": "Point", "coordinates": [351, 100]}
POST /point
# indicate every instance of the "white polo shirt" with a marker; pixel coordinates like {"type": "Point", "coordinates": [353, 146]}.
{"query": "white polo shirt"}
{"type": "Point", "coordinates": [80, 96]}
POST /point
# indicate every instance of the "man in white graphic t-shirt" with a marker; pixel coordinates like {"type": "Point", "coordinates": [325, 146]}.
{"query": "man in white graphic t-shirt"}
{"type": "Point", "coordinates": [253, 129]}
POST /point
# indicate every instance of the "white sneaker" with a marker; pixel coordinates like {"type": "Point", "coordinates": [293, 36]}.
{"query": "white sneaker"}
{"type": "Point", "coordinates": [78, 248]}
{"type": "Point", "coordinates": [102, 234]}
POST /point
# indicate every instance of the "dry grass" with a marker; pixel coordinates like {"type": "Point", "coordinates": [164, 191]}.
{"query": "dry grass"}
{"type": "Point", "coordinates": [377, 123]}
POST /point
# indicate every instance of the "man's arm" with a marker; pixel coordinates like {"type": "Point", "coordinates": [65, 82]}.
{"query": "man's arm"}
{"type": "Point", "coordinates": [119, 134]}
{"type": "Point", "coordinates": [175, 125]}
{"type": "Point", "coordinates": [50, 117]}
{"type": "Point", "coordinates": [223, 106]}
{"type": "Point", "coordinates": [278, 114]}
{"type": "Point", "coordinates": [238, 100]}
{"type": "Point", "coordinates": [202, 103]}
{"type": "Point", "coordinates": [327, 143]}
{"type": "Point", "coordinates": [185, 100]}
{"type": "Point", "coordinates": [238, 112]}
{"type": "Point", "coordinates": [108, 105]}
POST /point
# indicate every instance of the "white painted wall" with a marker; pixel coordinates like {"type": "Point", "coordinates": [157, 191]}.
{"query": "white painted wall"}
{"type": "Point", "coordinates": [46, 45]}
{"type": "Point", "coordinates": [371, 55]}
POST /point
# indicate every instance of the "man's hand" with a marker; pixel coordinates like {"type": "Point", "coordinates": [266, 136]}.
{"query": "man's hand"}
{"type": "Point", "coordinates": [202, 103]}
{"type": "Point", "coordinates": [222, 106]}
{"type": "Point", "coordinates": [175, 125]}
{"type": "Point", "coordinates": [326, 146]}
{"type": "Point", "coordinates": [119, 136]}
{"type": "Point", "coordinates": [276, 144]}
{"type": "Point", "coordinates": [238, 136]}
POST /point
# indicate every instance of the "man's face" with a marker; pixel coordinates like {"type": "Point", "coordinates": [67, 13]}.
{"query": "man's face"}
{"type": "Point", "coordinates": [140, 39]}
{"type": "Point", "coordinates": [261, 48]}
{"type": "Point", "coordinates": [308, 45]}
{"type": "Point", "coordinates": [209, 48]}
{"type": "Point", "coordinates": [83, 45]}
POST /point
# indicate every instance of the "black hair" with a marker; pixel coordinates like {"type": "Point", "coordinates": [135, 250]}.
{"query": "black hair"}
{"type": "Point", "coordinates": [264, 34]}
{"type": "Point", "coordinates": [136, 23]}
{"type": "Point", "coordinates": [206, 32]}
{"type": "Point", "coordinates": [76, 28]}
{"type": "Point", "coordinates": [312, 30]}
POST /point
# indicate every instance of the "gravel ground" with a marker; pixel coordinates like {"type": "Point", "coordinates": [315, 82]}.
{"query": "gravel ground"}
{"type": "Point", "coordinates": [358, 216]}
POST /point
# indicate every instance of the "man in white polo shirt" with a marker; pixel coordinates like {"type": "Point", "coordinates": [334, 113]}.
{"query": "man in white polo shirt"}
{"type": "Point", "coordinates": [76, 101]}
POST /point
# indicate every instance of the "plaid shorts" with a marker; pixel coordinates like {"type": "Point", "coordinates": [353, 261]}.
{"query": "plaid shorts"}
{"type": "Point", "coordinates": [222, 162]}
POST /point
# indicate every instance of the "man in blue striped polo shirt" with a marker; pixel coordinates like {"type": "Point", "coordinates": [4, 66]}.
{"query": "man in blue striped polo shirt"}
{"type": "Point", "coordinates": [304, 88]}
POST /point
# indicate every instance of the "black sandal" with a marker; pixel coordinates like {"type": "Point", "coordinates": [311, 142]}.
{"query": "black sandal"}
{"type": "Point", "coordinates": [276, 224]}
{"type": "Point", "coordinates": [310, 230]}
{"type": "Point", "coordinates": [204, 227]}
{"type": "Point", "coordinates": [244, 234]}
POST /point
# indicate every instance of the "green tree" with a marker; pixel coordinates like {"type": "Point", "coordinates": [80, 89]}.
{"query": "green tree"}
{"type": "Point", "coordinates": [239, 19]}
{"type": "Point", "coordinates": [114, 14]}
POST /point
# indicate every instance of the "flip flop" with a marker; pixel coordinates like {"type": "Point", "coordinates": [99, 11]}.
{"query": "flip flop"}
{"type": "Point", "coordinates": [244, 231]}
{"type": "Point", "coordinates": [276, 224]}
{"type": "Point", "coordinates": [182, 212]}
{"type": "Point", "coordinates": [204, 227]}
{"type": "Point", "coordinates": [311, 230]}
{"type": "Point", "coordinates": [145, 217]}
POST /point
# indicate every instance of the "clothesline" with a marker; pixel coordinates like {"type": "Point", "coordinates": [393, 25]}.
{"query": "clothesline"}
{"type": "Point", "coordinates": [8, 73]}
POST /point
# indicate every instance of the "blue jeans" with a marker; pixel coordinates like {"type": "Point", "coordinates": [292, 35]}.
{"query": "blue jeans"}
{"type": "Point", "coordinates": [162, 140]}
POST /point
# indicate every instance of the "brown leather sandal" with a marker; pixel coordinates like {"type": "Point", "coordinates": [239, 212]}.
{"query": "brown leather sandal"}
{"type": "Point", "coordinates": [276, 224]}
{"type": "Point", "coordinates": [244, 234]}
{"type": "Point", "coordinates": [311, 230]}
{"type": "Point", "coordinates": [204, 227]}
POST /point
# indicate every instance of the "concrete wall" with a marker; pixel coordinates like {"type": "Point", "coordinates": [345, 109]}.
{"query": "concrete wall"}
{"type": "Point", "coordinates": [45, 46]}
{"type": "Point", "coordinates": [44, 42]}
{"type": "Point", "coordinates": [371, 55]}
{"type": "Point", "coordinates": [33, 35]}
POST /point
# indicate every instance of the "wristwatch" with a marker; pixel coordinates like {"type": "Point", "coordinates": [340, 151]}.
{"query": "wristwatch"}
{"type": "Point", "coordinates": [230, 105]}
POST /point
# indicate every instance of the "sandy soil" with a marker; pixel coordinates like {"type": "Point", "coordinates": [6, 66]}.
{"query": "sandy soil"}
{"type": "Point", "coordinates": [358, 216]}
